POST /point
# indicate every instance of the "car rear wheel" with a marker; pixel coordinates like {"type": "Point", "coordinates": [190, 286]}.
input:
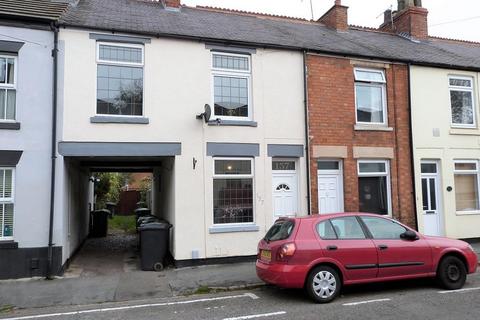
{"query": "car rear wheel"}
{"type": "Point", "coordinates": [323, 284]}
{"type": "Point", "coordinates": [451, 273]}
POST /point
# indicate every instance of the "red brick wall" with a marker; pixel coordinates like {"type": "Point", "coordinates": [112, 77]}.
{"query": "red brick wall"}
{"type": "Point", "coordinates": [331, 123]}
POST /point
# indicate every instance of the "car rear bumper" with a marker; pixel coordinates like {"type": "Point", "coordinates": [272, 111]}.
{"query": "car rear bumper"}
{"type": "Point", "coordinates": [282, 275]}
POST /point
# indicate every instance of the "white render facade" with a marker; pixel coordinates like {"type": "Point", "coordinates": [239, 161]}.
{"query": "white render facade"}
{"type": "Point", "coordinates": [446, 144]}
{"type": "Point", "coordinates": [260, 133]}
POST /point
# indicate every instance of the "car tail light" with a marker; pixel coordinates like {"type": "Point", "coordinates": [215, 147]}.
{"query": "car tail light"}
{"type": "Point", "coordinates": [286, 251]}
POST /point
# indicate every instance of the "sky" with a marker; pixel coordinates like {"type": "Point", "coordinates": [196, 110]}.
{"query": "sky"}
{"type": "Point", "coordinates": [456, 19]}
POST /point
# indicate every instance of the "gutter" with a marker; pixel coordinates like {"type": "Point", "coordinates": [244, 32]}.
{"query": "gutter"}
{"type": "Point", "coordinates": [54, 28]}
{"type": "Point", "coordinates": [414, 188]}
{"type": "Point", "coordinates": [307, 131]}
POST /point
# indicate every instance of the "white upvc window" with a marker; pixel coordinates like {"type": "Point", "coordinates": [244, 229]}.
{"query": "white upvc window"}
{"type": "Point", "coordinates": [466, 186]}
{"type": "Point", "coordinates": [7, 200]}
{"type": "Point", "coordinates": [120, 79]}
{"type": "Point", "coordinates": [370, 96]}
{"type": "Point", "coordinates": [233, 200]}
{"type": "Point", "coordinates": [374, 186]}
{"type": "Point", "coordinates": [8, 87]}
{"type": "Point", "coordinates": [462, 101]}
{"type": "Point", "coordinates": [231, 92]}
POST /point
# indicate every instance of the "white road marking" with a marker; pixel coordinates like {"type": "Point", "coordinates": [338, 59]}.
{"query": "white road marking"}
{"type": "Point", "coordinates": [138, 306]}
{"type": "Point", "coordinates": [459, 290]}
{"type": "Point", "coordinates": [366, 301]}
{"type": "Point", "coordinates": [254, 316]}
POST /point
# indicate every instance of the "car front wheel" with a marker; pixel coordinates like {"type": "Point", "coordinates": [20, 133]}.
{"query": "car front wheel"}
{"type": "Point", "coordinates": [323, 284]}
{"type": "Point", "coordinates": [451, 273]}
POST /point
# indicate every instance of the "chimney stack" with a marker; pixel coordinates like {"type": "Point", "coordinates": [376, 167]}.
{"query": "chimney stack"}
{"type": "Point", "coordinates": [410, 18]}
{"type": "Point", "coordinates": [172, 4]}
{"type": "Point", "coordinates": [337, 17]}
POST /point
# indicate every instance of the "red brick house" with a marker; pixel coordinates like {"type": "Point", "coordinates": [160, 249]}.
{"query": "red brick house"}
{"type": "Point", "coordinates": [359, 131]}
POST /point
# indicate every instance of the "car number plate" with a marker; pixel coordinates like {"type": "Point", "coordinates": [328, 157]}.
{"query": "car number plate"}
{"type": "Point", "coordinates": [266, 255]}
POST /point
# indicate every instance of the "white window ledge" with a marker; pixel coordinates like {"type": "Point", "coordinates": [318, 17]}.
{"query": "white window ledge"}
{"type": "Point", "coordinates": [468, 213]}
{"type": "Point", "coordinates": [466, 131]}
{"type": "Point", "coordinates": [240, 123]}
{"type": "Point", "coordinates": [117, 119]}
{"type": "Point", "coordinates": [233, 228]}
{"type": "Point", "coordinates": [366, 127]}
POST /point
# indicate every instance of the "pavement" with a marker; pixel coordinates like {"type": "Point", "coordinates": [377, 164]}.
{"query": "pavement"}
{"type": "Point", "coordinates": [88, 281]}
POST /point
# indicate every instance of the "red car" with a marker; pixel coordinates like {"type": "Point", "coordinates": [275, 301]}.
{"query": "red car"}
{"type": "Point", "coordinates": [321, 253]}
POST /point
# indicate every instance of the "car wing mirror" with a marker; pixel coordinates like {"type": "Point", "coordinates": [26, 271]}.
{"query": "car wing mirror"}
{"type": "Point", "coordinates": [409, 235]}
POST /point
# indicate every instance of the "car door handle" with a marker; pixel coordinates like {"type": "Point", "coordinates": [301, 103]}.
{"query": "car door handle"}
{"type": "Point", "coordinates": [382, 247]}
{"type": "Point", "coordinates": [332, 248]}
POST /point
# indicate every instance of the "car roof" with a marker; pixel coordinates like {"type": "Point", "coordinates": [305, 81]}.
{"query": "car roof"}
{"type": "Point", "coordinates": [336, 215]}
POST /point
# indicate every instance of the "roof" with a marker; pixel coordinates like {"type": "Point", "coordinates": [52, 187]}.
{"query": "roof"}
{"type": "Point", "coordinates": [150, 18]}
{"type": "Point", "coordinates": [49, 10]}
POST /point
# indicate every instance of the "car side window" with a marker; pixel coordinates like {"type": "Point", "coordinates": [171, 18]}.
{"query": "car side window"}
{"type": "Point", "coordinates": [383, 228]}
{"type": "Point", "coordinates": [325, 230]}
{"type": "Point", "coordinates": [348, 228]}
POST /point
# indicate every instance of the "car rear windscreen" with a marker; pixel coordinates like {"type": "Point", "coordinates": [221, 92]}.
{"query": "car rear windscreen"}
{"type": "Point", "coordinates": [281, 230]}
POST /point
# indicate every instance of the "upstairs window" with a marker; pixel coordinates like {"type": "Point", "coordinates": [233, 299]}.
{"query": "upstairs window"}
{"type": "Point", "coordinates": [461, 101]}
{"type": "Point", "coordinates": [231, 86]}
{"type": "Point", "coordinates": [6, 203]}
{"type": "Point", "coordinates": [370, 96]}
{"type": "Point", "coordinates": [119, 79]}
{"type": "Point", "coordinates": [8, 88]}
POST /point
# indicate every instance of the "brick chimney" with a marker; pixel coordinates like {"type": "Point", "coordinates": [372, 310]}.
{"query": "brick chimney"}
{"type": "Point", "coordinates": [337, 17]}
{"type": "Point", "coordinates": [172, 3]}
{"type": "Point", "coordinates": [411, 18]}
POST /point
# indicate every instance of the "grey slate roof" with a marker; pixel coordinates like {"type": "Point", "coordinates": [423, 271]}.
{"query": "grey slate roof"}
{"type": "Point", "coordinates": [150, 18]}
{"type": "Point", "coordinates": [49, 10]}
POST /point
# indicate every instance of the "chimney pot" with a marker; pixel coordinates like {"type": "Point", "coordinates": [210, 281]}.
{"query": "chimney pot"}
{"type": "Point", "coordinates": [337, 17]}
{"type": "Point", "coordinates": [410, 18]}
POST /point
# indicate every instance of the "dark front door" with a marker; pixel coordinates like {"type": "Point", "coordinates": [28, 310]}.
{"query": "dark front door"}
{"type": "Point", "coordinates": [372, 192]}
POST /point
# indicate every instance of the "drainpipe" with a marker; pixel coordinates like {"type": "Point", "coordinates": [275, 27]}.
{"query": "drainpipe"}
{"type": "Point", "coordinates": [414, 187]}
{"type": "Point", "coordinates": [307, 139]}
{"type": "Point", "coordinates": [54, 28]}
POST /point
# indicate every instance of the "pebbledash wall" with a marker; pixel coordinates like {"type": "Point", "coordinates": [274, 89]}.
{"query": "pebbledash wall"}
{"type": "Point", "coordinates": [453, 208]}
{"type": "Point", "coordinates": [336, 135]}
{"type": "Point", "coordinates": [25, 146]}
{"type": "Point", "coordinates": [177, 85]}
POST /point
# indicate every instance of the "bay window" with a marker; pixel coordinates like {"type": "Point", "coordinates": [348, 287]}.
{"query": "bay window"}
{"type": "Point", "coordinates": [466, 185]}
{"type": "Point", "coordinates": [462, 101]}
{"type": "Point", "coordinates": [233, 191]}
{"type": "Point", "coordinates": [370, 96]}
{"type": "Point", "coordinates": [374, 186]}
{"type": "Point", "coordinates": [119, 79]}
{"type": "Point", "coordinates": [6, 203]}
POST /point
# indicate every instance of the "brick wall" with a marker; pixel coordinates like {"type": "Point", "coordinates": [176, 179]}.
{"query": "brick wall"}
{"type": "Point", "coordinates": [413, 21]}
{"type": "Point", "coordinates": [336, 17]}
{"type": "Point", "coordinates": [331, 123]}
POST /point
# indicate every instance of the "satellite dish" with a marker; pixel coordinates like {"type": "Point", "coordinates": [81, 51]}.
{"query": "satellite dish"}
{"type": "Point", "coordinates": [207, 113]}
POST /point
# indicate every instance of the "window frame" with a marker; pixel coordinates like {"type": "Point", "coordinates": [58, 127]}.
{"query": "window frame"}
{"type": "Point", "coordinates": [467, 172]}
{"type": "Point", "coordinates": [98, 62]}
{"type": "Point", "coordinates": [364, 231]}
{"type": "Point", "coordinates": [462, 89]}
{"type": "Point", "coordinates": [8, 86]}
{"type": "Point", "coordinates": [374, 84]}
{"type": "Point", "coordinates": [230, 73]}
{"type": "Point", "coordinates": [387, 174]}
{"type": "Point", "coordinates": [235, 176]}
{"type": "Point", "coordinates": [10, 200]}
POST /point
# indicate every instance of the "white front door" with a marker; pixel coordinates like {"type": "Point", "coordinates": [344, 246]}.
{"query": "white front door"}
{"type": "Point", "coordinates": [285, 188]}
{"type": "Point", "coordinates": [330, 186]}
{"type": "Point", "coordinates": [430, 198]}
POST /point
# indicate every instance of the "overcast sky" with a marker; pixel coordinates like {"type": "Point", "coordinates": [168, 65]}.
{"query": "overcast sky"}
{"type": "Point", "coordinates": [458, 19]}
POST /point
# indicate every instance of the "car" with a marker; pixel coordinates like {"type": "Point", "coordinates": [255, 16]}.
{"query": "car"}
{"type": "Point", "coordinates": [322, 253]}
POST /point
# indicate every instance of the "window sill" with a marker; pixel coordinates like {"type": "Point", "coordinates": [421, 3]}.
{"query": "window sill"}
{"type": "Point", "coordinates": [468, 213]}
{"type": "Point", "coordinates": [113, 119]}
{"type": "Point", "coordinates": [233, 228]}
{"type": "Point", "coordinates": [366, 127]}
{"type": "Point", "coordinates": [10, 125]}
{"type": "Point", "coordinates": [8, 244]}
{"type": "Point", "coordinates": [240, 123]}
{"type": "Point", "coordinates": [465, 131]}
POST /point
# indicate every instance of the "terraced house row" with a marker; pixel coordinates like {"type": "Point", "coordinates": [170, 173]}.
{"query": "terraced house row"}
{"type": "Point", "coordinates": [303, 117]}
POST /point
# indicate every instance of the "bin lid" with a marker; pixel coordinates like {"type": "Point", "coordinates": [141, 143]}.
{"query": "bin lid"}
{"type": "Point", "coordinates": [155, 226]}
{"type": "Point", "coordinates": [102, 211]}
{"type": "Point", "coordinates": [142, 210]}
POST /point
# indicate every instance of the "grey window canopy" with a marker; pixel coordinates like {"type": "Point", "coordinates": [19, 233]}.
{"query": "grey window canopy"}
{"type": "Point", "coordinates": [119, 149]}
{"type": "Point", "coordinates": [118, 38]}
{"type": "Point", "coordinates": [230, 49]}
{"type": "Point", "coordinates": [10, 158]}
{"type": "Point", "coordinates": [10, 46]}
{"type": "Point", "coordinates": [285, 150]}
{"type": "Point", "coordinates": [215, 149]}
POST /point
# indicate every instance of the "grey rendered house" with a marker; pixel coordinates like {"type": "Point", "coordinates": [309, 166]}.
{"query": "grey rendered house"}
{"type": "Point", "coordinates": [26, 91]}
